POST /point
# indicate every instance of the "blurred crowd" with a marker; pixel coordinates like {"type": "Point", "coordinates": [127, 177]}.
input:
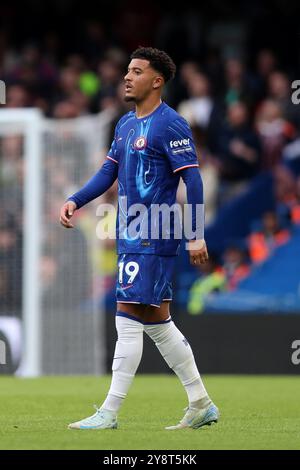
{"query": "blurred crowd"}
{"type": "Point", "coordinates": [243, 121]}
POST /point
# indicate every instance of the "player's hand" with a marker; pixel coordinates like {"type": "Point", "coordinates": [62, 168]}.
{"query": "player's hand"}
{"type": "Point", "coordinates": [198, 252]}
{"type": "Point", "coordinates": [66, 214]}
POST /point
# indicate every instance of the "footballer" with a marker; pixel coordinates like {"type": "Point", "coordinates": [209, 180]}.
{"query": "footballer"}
{"type": "Point", "coordinates": [152, 149]}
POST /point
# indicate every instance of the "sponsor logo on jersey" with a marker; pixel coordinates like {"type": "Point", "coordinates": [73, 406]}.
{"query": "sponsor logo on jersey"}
{"type": "Point", "coordinates": [140, 143]}
{"type": "Point", "coordinates": [179, 146]}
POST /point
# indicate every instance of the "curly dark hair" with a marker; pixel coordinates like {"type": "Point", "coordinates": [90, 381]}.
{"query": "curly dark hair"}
{"type": "Point", "coordinates": [159, 61]}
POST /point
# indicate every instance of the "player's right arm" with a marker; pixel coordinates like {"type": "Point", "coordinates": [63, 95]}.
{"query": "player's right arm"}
{"type": "Point", "coordinates": [66, 213]}
{"type": "Point", "coordinates": [95, 187]}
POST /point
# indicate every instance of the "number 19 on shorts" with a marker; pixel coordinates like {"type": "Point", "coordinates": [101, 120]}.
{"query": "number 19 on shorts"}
{"type": "Point", "coordinates": [131, 268]}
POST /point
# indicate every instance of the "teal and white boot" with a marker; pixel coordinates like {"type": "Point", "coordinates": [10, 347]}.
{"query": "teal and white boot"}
{"type": "Point", "coordinates": [102, 419]}
{"type": "Point", "coordinates": [195, 418]}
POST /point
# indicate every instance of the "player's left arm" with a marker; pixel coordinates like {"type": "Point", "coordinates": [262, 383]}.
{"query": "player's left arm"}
{"type": "Point", "coordinates": [180, 149]}
{"type": "Point", "coordinates": [194, 190]}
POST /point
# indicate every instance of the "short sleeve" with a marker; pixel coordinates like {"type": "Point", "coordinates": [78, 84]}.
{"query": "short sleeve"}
{"type": "Point", "coordinates": [178, 145]}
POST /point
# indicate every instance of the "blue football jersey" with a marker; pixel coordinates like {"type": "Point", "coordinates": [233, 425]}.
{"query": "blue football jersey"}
{"type": "Point", "coordinates": [150, 152]}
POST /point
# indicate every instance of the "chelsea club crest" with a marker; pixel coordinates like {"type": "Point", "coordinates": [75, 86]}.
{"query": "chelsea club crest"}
{"type": "Point", "coordinates": [140, 143]}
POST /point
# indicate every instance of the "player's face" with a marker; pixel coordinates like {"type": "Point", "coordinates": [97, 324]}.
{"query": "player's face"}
{"type": "Point", "coordinates": [141, 80]}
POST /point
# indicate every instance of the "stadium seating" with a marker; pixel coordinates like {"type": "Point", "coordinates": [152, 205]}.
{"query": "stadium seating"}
{"type": "Point", "coordinates": [273, 286]}
{"type": "Point", "coordinates": [236, 218]}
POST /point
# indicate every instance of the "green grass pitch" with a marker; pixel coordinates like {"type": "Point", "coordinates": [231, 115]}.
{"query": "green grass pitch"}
{"type": "Point", "coordinates": [257, 412]}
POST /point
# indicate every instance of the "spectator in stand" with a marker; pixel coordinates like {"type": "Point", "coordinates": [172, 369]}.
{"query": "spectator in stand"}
{"type": "Point", "coordinates": [95, 41]}
{"type": "Point", "coordinates": [287, 191]}
{"type": "Point", "coordinates": [236, 266]}
{"type": "Point", "coordinates": [238, 151]}
{"type": "Point", "coordinates": [279, 90]}
{"type": "Point", "coordinates": [33, 71]}
{"type": "Point", "coordinates": [284, 185]}
{"type": "Point", "coordinates": [215, 278]}
{"type": "Point", "coordinates": [262, 243]}
{"type": "Point", "coordinates": [238, 86]}
{"type": "Point", "coordinates": [212, 280]}
{"type": "Point", "coordinates": [266, 63]}
{"type": "Point", "coordinates": [68, 83]}
{"type": "Point", "coordinates": [176, 91]}
{"type": "Point", "coordinates": [294, 205]}
{"type": "Point", "coordinates": [274, 132]}
{"type": "Point", "coordinates": [82, 103]}
{"type": "Point", "coordinates": [209, 173]}
{"type": "Point", "coordinates": [18, 97]}
{"type": "Point", "coordinates": [66, 110]}
{"type": "Point", "coordinates": [198, 107]}
{"type": "Point", "coordinates": [109, 74]}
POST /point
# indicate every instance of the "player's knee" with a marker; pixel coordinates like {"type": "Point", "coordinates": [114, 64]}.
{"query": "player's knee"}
{"type": "Point", "coordinates": [128, 330]}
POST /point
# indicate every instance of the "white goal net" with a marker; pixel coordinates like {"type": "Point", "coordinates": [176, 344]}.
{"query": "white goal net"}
{"type": "Point", "coordinates": [51, 278]}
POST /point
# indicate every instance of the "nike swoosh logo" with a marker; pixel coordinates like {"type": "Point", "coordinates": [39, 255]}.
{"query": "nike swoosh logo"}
{"type": "Point", "coordinates": [121, 357]}
{"type": "Point", "coordinates": [127, 287]}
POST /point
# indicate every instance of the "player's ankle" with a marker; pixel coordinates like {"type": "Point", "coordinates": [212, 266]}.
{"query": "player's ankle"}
{"type": "Point", "coordinates": [112, 403]}
{"type": "Point", "coordinates": [203, 402]}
